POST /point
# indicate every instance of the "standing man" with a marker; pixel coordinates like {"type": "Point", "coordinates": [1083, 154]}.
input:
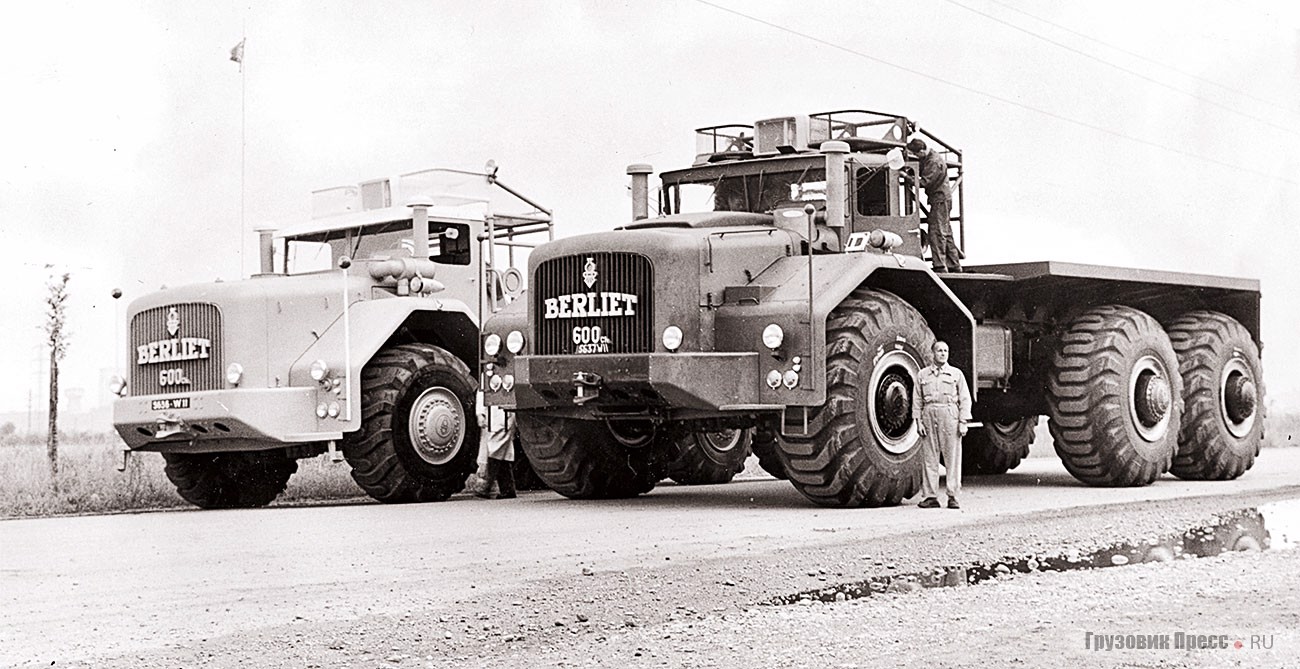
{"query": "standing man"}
{"type": "Point", "coordinates": [496, 451]}
{"type": "Point", "coordinates": [934, 178]}
{"type": "Point", "coordinates": [941, 409]}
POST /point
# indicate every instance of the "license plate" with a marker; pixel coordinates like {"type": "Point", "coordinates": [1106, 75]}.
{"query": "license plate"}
{"type": "Point", "coordinates": [170, 403]}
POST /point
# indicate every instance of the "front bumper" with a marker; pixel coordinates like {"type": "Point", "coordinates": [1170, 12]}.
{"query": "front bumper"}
{"type": "Point", "coordinates": [221, 420]}
{"type": "Point", "coordinates": [698, 381]}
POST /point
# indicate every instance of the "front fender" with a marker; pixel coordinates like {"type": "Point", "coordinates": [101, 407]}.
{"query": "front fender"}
{"type": "Point", "coordinates": [784, 290]}
{"type": "Point", "coordinates": [349, 343]}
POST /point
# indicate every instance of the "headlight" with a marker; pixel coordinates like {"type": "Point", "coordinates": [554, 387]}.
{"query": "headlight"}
{"type": "Point", "coordinates": [235, 373]}
{"type": "Point", "coordinates": [791, 379]}
{"type": "Point", "coordinates": [515, 341]}
{"type": "Point", "coordinates": [507, 382]}
{"type": "Point", "coordinates": [417, 284]}
{"type": "Point", "coordinates": [117, 386]}
{"type": "Point", "coordinates": [773, 335]}
{"type": "Point", "coordinates": [672, 337]}
{"type": "Point", "coordinates": [773, 379]}
{"type": "Point", "coordinates": [333, 410]}
{"type": "Point", "coordinates": [495, 382]}
{"type": "Point", "coordinates": [321, 410]}
{"type": "Point", "coordinates": [492, 345]}
{"type": "Point", "coordinates": [319, 369]}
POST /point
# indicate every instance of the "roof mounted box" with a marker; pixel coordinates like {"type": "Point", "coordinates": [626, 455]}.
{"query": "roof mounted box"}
{"type": "Point", "coordinates": [789, 134]}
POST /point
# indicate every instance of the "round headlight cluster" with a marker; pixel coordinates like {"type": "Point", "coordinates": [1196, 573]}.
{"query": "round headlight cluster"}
{"type": "Point", "coordinates": [319, 370]}
{"type": "Point", "coordinates": [495, 382]}
{"type": "Point", "coordinates": [515, 341]}
{"type": "Point", "coordinates": [672, 337]}
{"type": "Point", "coordinates": [492, 344]}
{"type": "Point", "coordinates": [117, 386]}
{"type": "Point", "coordinates": [774, 379]}
{"type": "Point", "coordinates": [235, 373]}
{"type": "Point", "coordinates": [773, 336]}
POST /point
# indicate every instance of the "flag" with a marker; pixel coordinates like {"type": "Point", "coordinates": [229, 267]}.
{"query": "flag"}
{"type": "Point", "coordinates": [237, 53]}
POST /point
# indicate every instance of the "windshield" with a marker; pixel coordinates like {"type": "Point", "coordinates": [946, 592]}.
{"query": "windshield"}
{"type": "Point", "coordinates": [449, 244]}
{"type": "Point", "coordinates": [755, 193]}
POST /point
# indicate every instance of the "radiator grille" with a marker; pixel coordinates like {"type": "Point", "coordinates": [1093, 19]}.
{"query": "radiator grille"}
{"type": "Point", "coordinates": [613, 276]}
{"type": "Point", "coordinates": [195, 323]}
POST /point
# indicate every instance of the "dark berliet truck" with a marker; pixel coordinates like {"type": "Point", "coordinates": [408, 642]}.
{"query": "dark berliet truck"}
{"type": "Point", "coordinates": [783, 293]}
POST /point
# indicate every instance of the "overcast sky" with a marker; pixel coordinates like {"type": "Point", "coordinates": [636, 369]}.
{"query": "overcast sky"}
{"type": "Point", "coordinates": [1162, 135]}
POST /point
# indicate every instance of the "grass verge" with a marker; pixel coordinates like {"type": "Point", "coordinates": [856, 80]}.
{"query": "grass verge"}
{"type": "Point", "coordinates": [90, 483]}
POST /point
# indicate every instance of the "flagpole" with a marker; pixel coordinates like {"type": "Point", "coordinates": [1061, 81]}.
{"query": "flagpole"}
{"type": "Point", "coordinates": [243, 143]}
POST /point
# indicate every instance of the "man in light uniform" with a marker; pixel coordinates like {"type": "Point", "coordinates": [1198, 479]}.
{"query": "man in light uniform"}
{"type": "Point", "coordinates": [941, 409]}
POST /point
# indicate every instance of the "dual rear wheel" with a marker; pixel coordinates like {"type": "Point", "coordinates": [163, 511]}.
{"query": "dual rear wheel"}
{"type": "Point", "coordinates": [1130, 400]}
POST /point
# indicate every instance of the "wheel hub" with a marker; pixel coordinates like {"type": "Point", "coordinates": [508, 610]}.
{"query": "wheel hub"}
{"type": "Point", "coordinates": [722, 442]}
{"type": "Point", "coordinates": [893, 404]}
{"type": "Point", "coordinates": [1239, 397]}
{"type": "Point", "coordinates": [1152, 399]}
{"type": "Point", "coordinates": [632, 433]}
{"type": "Point", "coordinates": [437, 426]}
{"type": "Point", "coordinates": [889, 401]}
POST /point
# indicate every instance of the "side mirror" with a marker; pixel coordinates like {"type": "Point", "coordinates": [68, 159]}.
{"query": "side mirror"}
{"type": "Point", "coordinates": [895, 159]}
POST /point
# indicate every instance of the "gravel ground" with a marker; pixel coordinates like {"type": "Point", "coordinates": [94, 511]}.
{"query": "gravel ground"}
{"type": "Point", "coordinates": [714, 612]}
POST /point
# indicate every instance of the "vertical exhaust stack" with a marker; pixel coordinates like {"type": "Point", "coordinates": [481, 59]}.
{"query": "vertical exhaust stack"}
{"type": "Point", "coordinates": [420, 225]}
{"type": "Point", "coordinates": [836, 192]}
{"type": "Point", "coordinates": [266, 250]}
{"type": "Point", "coordinates": [640, 190]}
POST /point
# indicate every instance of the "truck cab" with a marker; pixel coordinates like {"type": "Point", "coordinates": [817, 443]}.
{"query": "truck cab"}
{"type": "Point", "coordinates": [774, 167]}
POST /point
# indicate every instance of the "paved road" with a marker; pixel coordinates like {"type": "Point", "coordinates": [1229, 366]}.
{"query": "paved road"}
{"type": "Point", "coordinates": [87, 586]}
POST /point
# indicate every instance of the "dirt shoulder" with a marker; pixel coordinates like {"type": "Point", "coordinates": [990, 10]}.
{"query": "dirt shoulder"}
{"type": "Point", "coordinates": [710, 612]}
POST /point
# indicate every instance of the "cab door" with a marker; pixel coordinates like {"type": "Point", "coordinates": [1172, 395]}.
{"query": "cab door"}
{"type": "Point", "coordinates": [881, 201]}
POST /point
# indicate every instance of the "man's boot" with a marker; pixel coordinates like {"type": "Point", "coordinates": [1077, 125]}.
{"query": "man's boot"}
{"type": "Point", "coordinates": [505, 478]}
{"type": "Point", "coordinates": [484, 489]}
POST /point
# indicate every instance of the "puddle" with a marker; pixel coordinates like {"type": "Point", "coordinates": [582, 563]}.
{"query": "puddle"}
{"type": "Point", "coordinates": [1270, 526]}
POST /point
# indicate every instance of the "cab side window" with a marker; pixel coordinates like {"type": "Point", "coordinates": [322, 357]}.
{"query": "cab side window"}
{"type": "Point", "coordinates": [449, 243]}
{"type": "Point", "coordinates": [872, 192]}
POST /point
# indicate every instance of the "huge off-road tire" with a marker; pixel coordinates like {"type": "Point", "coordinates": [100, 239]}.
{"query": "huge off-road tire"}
{"type": "Point", "coordinates": [418, 437]}
{"type": "Point", "coordinates": [862, 447]}
{"type": "Point", "coordinates": [525, 477]}
{"type": "Point", "coordinates": [1115, 398]}
{"type": "Point", "coordinates": [229, 480]}
{"type": "Point", "coordinates": [1223, 392]}
{"type": "Point", "coordinates": [998, 447]}
{"type": "Point", "coordinates": [768, 452]}
{"type": "Point", "coordinates": [706, 458]}
{"type": "Point", "coordinates": [582, 459]}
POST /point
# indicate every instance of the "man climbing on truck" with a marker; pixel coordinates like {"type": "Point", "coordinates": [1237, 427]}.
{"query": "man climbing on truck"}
{"type": "Point", "coordinates": [934, 178]}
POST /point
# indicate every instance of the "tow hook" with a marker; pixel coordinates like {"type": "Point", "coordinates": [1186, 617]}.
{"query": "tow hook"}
{"type": "Point", "coordinates": [587, 386]}
{"type": "Point", "coordinates": [170, 426]}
